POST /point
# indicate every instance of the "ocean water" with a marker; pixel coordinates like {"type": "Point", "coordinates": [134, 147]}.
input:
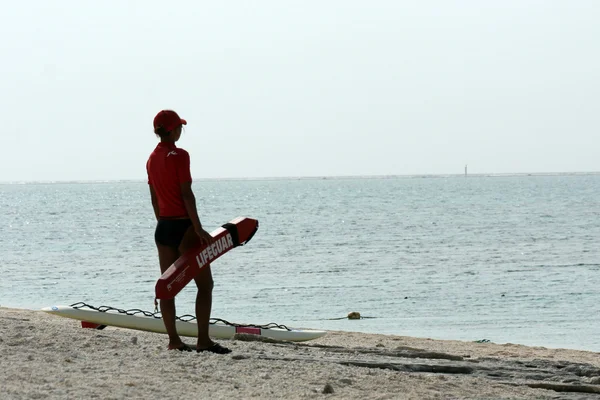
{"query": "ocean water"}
{"type": "Point", "coordinates": [505, 258]}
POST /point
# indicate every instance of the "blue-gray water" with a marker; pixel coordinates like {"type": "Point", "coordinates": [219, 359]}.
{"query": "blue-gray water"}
{"type": "Point", "coordinates": [510, 259]}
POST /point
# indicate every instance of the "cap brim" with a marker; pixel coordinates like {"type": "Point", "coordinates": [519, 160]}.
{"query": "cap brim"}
{"type": "Point", "coordinates": [183, 121]}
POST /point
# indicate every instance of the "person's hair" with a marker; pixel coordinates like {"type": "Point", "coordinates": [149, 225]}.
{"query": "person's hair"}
{"type": "Point", "coordinates": [161, 131]}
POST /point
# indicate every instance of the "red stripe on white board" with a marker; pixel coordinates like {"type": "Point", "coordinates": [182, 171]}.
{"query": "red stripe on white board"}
{"type": "Point", "coordinates": [247, 329]}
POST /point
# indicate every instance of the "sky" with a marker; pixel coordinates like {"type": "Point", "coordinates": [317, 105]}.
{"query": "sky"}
{"type": "Point", "coordinates": [277, 88]}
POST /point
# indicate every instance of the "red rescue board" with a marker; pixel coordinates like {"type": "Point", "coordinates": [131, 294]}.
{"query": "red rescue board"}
{"type": "Point", "coordinates": [236, 232]}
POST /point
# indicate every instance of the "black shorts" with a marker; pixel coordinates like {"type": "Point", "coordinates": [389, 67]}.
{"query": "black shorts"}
{"type": "Point", "coordinates": [170, 232]}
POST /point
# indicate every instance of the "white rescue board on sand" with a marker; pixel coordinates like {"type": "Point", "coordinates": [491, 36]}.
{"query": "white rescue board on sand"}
{"type": "Point", "coordinates": [218, 330]}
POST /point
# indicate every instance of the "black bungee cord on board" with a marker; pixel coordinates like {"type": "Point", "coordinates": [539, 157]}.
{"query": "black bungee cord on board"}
{"type": "Point", "coordinates": [184, 318]}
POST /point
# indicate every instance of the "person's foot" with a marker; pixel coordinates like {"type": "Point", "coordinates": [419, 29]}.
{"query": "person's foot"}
{"type": "Point", "coordinates": [214, 348]}
{"type": "Point", "coordinates": [180, 347]}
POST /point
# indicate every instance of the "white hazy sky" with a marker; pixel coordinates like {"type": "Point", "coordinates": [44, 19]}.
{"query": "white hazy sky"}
{"type": "Point", "coordinates": [276, 88]}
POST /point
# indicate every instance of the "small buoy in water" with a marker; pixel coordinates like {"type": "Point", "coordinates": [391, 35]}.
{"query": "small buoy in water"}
{"type": "Point", "coordinates": [354, 315]}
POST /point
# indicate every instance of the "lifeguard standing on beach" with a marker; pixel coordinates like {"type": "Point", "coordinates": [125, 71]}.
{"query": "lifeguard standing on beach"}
{"type": "Point", "coordinates": [178, 228]}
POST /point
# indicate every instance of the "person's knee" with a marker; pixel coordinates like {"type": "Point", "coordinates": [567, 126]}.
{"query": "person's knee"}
{"type": "Point", "coordinates": [205, 285]}
{"type": "Point", "coordinates": [164, 303]}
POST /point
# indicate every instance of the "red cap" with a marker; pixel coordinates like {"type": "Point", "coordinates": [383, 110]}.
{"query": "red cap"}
{"type": "Point", "coordinates": [168, 119]}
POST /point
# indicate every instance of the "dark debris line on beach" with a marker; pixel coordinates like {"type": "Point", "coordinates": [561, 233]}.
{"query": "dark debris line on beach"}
{"type": "Point", "coordinates": [571, 379]}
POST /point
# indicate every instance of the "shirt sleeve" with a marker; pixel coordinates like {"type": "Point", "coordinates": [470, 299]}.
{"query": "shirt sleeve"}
{"type": "Point", "coordinates": [183, 167]}
{"type": "Point", "coordinates": [148, 172]}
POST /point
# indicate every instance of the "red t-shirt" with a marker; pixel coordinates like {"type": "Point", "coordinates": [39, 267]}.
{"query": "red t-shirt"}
{"type": "Point", "coordinates": [168, 167]}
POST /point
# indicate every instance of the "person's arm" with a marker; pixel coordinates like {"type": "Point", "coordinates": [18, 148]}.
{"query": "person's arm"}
{"type": "Point", "coordinates": [154, 201]}
{"type": "Point", "coordinates": [189, 200]}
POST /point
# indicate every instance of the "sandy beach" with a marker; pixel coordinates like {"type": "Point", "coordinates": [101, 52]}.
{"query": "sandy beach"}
{"type": "Point", "coordinates": [45, 356]}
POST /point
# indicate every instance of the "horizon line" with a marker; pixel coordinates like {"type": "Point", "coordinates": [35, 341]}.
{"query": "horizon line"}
{"type": "Point", "coordinates": [312, 177]}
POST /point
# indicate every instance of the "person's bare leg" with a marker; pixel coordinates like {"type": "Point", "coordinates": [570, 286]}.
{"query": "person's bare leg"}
{"type": "Point", "coordinates": [204, 283]}
{"type": "Point", "coordinates": [167, 256]}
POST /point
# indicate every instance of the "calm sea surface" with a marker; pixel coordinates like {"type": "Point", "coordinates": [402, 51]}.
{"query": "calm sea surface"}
{"type": "Point", "coordinates": [506, 258]}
